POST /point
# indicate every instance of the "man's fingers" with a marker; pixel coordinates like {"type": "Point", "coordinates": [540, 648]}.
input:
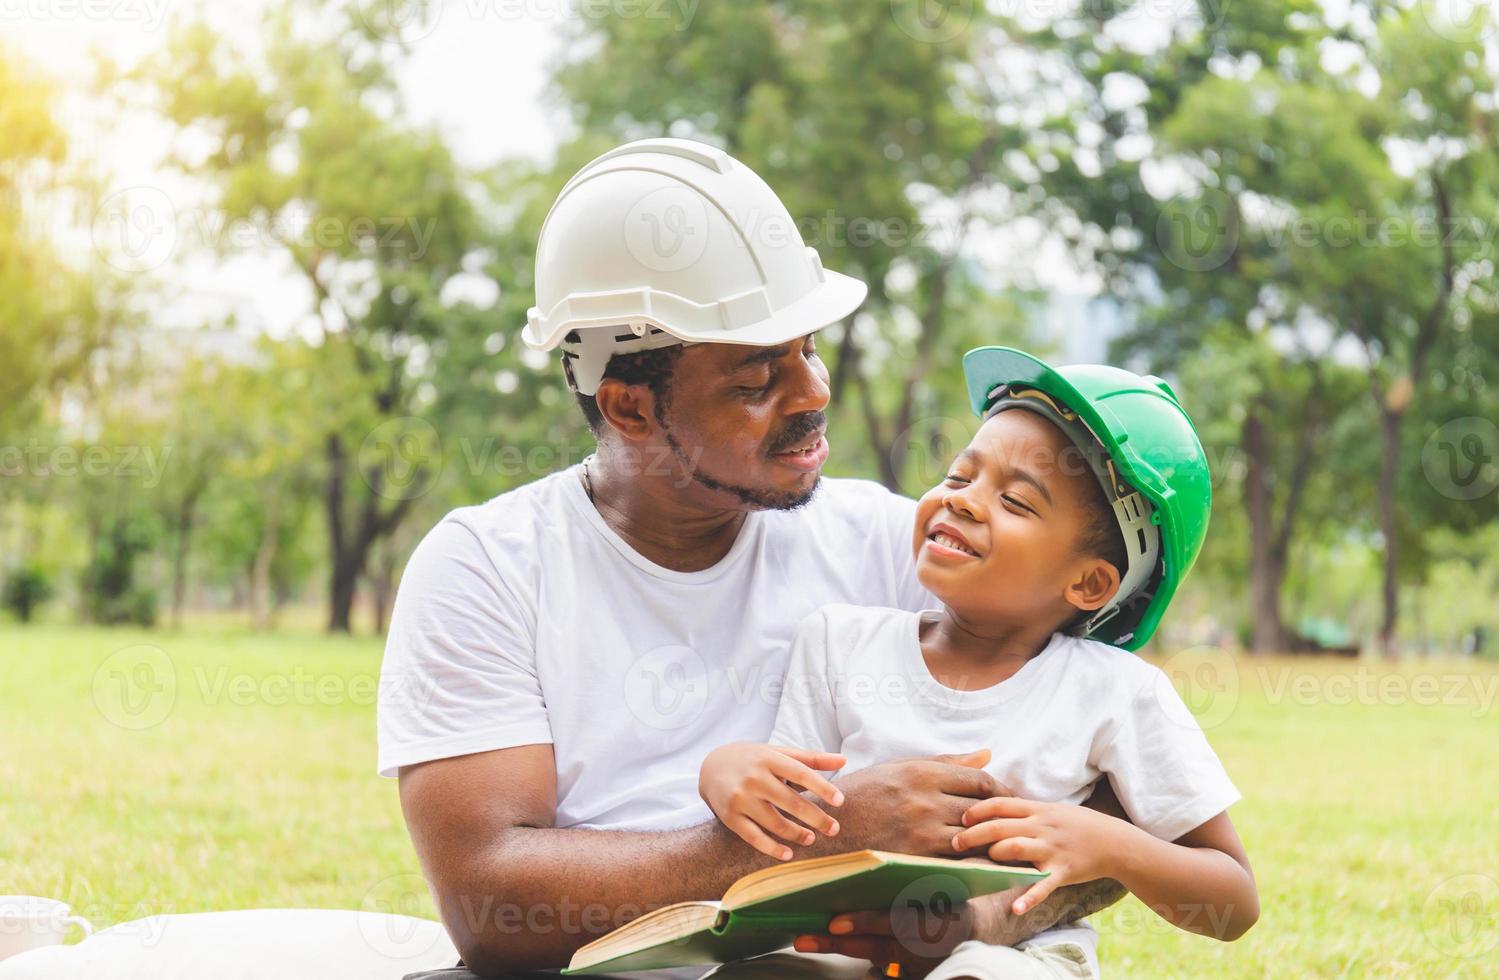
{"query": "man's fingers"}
{"type": "Point", "coordinates": [875, 949]}
{"type": "Point", "coordinates": [861, 924]}
{"type": "Point", "coordinates": [997, 807]}
{"type": "Point", "coordinates": [795, 772]}
{"type": "Point", "coordinates": [751, 834]}
{"type": "Point", "coordinates": [827, 761]}
{"type": "Point", "coordinates": [977, 759]}
{"type": "Point", "coordinates": [990, 831]}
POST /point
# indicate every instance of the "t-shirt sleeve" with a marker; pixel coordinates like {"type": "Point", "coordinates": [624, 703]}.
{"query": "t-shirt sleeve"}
{"type": "Point", "coordinates": [806, 718]}
{"type": "Point", "coordinates": [1165, 773]}
{"type": "Point", "coordinates": [459, 673]}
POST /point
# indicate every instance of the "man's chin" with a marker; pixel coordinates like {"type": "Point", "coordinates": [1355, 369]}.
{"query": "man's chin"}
{"type": "Point", "coordinates": [785, 495]}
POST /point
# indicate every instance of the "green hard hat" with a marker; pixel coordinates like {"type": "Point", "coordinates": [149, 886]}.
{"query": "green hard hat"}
{"type": "Point", "coordinates": [1153, 447]}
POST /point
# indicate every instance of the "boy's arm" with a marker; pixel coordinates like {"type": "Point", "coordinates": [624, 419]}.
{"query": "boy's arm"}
{"type": "Point", "coordinates": [1200, 882]}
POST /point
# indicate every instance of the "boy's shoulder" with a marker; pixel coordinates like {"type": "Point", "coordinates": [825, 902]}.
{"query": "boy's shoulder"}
{"type": "Point", "coordinates": [1104, 664]}
{"type": "Point", "coordinates": [844, 627]}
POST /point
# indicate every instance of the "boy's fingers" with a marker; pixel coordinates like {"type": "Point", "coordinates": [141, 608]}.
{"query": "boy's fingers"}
{"type": "Point", "coordinates": [997, 807]}
{"type": "Point", "coordinates": [1016, 849]}
{"type": "Point", "coordinates": [1037, 894]}
{"type": "Point", "coordinates": [794, 772]}
{"type": "Point", "coordinates": [752, 835]}
{"type": "Point", "coordinates": [777, 823]}
{"type": "Point", "coordinates": [827, 761]}
{"type": "Point", "coordinates": [989, 832]}
{"type": "Point", "coordinates": [804, 810]}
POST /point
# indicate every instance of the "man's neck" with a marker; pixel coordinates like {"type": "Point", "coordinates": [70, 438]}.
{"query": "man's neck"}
{"type": "Point", "coordinates": [652, 516]}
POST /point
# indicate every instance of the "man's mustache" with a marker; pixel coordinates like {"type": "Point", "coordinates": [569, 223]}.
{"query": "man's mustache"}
{"type": "Point", "coordinates": [798, 429]}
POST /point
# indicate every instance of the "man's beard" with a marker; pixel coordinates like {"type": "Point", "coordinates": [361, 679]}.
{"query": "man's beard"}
{"type": "Point", "coordinates": [801, 427]}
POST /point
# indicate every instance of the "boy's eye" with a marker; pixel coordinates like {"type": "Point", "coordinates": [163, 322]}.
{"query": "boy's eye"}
{"type": "Point", "coordinates": [955, 478]}
{"type": "Point", "coordinates": [1015, 501]}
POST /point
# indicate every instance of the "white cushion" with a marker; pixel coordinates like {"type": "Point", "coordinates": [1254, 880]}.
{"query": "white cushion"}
{"type": "Point", "coordinates": [255, 944]}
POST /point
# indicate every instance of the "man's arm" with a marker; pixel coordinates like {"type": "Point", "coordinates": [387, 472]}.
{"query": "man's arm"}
{"type": "Point", "coordinates": [998, 925]}
{"type": "Point", "coordinates": [517, 893]}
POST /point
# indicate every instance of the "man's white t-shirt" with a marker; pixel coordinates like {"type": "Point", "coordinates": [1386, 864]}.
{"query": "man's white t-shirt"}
{"type": "Point", "coordinates": [858, 684]}
{"type": "Point", "coordinates": [527, 620]}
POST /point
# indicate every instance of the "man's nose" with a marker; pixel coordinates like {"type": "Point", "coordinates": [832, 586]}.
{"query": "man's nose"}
{"type": "Point", "coordinates": [807, 387]}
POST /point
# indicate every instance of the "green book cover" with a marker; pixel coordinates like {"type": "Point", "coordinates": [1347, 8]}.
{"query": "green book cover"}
{"type": "Point", "coordinates": [765, 911]}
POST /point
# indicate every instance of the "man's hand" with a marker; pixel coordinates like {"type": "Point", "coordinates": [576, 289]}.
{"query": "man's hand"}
{"type": "Point", "coordinates": [753, 790]}
{"type": "Point", "coordinates": [914, 806]}
{"type": "Point", "coordinates": [916, 938]}
{"type": "Point", "coordinates": [1071, 843]}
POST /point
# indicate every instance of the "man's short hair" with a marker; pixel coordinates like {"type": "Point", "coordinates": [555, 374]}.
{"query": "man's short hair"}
{"type": "Point", "coordinates": [652, 368]}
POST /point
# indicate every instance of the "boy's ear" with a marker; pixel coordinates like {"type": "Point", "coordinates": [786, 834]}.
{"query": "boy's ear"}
{"type": "Point", "coordinates": [1094, 585]}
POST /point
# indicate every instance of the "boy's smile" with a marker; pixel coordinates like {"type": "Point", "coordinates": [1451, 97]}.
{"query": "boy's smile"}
{"type": "Point", "coordinates": [1000, 539]}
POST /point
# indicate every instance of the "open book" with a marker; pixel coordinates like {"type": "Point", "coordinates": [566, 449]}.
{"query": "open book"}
{"type": "Point", "coordinates": [766, 910]}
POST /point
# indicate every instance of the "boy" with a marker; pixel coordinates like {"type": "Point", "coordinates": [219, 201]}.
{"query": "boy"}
{"type": "Point", "coordinates": [1059, 535]}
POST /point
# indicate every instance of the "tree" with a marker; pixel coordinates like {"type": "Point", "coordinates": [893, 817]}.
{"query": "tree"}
{"type": "Point", "coordinates": [309, 150]}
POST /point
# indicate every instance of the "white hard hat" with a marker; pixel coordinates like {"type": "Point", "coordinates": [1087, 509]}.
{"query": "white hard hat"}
{"type": "Point", "coordinates": [666, 241]}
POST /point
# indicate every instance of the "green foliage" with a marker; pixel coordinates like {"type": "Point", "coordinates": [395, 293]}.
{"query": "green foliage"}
{"type": "Point", "coordinates": [110, 580]}
{"type": "Point", "coordinates": [26, 587]}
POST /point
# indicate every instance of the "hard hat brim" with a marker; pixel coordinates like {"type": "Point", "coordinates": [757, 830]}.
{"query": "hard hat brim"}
{"type": "Point", "coordinates": [835, 297]}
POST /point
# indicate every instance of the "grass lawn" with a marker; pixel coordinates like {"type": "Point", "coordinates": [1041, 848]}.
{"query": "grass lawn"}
{"type": "Point", "coordinates": [212, 769]}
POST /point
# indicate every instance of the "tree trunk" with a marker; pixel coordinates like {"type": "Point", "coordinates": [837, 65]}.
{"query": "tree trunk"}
{"type": "Point", "coordinates": [342, 585]}
{"type": "Point", "coordinates": [260, 570]}
{"type": "Point", "coordinates": [1389, 469]}
{"type": "Point", "coordinates": [349, 547]}
{"type": "Point", "coordinates": [179, 556]}
{"type": "Point", "coordinates": [383, 588]}
{"type": "Point", "coordinates": [1266, 574]}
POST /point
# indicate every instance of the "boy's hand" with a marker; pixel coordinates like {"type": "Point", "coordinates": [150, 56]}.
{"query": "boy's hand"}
{"type": "Point", "coordinates": [1072, 843]}
{"type": "Point", "coordinates": [754, 790]}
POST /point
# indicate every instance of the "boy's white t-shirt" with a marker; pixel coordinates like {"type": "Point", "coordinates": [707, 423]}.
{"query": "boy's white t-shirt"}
{"type": "Point", "coordinates": [858, 684]}
{"type": "Point", "coordinates": [528, 620]}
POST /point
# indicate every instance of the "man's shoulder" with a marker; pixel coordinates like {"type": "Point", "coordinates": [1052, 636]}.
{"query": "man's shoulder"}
{"type": "Point", "coordinates": [520, 508]}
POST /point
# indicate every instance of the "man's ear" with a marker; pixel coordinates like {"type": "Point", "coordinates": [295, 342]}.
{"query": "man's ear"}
{"type": "Point", "coordinates": [629, 410]}
{"type": "Point", "coordinates": [1093, 585]}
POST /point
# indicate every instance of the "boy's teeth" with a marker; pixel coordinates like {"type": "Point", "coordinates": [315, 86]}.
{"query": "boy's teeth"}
{"type": "Point", "coordinates": [948, 541]}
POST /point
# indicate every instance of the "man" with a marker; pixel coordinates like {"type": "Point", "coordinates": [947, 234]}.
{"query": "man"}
{"type": "Point", "coordinates": [562, 657]}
